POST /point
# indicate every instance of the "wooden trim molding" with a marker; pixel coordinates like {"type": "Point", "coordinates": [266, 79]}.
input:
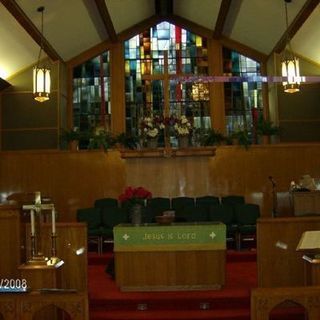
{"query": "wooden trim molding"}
{"type": "Point", "coordinates": [168, 152]}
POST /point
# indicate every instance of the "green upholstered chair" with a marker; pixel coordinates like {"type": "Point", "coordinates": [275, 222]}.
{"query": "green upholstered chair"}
{"type": "Point", "coordinates": [233, 199]}
{"type": "Point", "coordinates": [178, 204]}
{"type": "Point", "coordinates": [225, 213]}
{"type": "Point", "coordinates": [192, 214]}
{"type": "Point", "coordinates": [92, 217]}
{"type": "Point", "coordinates": [106, 202]}
{"type": "Point", "coordinates": [207, 201]}
{"type": "Point", "coordinates": [246, 216]}
{"type": "Point", "coordinates": [155, 207]}
{"type": "Point", "coordinates": [112, 216]}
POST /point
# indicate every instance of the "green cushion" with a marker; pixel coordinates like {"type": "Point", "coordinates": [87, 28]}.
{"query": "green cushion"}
{"type": "Point", "coordinates": [94, 232]}
{"type": "Point", "coordinates": [247, 229]}
{"type": "Point", "coordinates": [113, 216]}
{"type": "Point", "coordinates": [91, 216]}
{"type": "Point", "coordinates": [223, 213]}
{"type": "Point", "coordinates": [106, 232]}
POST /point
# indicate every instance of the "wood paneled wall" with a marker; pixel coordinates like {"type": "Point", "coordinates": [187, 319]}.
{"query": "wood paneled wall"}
{"type": "Point", "coordinates": [10, 236]}
{"type": "Point", "coordinates": [277, 240]}
{"type": "Point", "coordinates": [71, 179]}
{"type": "Point", "coordinates": [75, 179]}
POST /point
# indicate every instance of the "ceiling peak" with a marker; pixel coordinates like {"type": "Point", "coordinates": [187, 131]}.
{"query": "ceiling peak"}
{"type": "Point", "coordinates": [164, 7]}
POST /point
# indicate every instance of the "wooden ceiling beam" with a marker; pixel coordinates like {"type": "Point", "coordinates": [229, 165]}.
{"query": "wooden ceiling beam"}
{"type": "Point", "coordinates": [30, 28]}
{"type": "Point", "coordinates": [106, 19]}
{"type": "Point", "coordinates": [222, 17]}
{"type": "Point", "coordinates": [4, 84]}
{"type": "Point", "coordinates": [296, 24]}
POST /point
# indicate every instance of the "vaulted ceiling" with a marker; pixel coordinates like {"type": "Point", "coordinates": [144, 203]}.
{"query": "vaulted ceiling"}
{"type": "Point", "coordinates": [74, 26]}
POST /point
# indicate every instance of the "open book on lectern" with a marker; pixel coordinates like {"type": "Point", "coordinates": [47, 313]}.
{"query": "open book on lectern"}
{"type": "Point", "coordinates": [309, 241]}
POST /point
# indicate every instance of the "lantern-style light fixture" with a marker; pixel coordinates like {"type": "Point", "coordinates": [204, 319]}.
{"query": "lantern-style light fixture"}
{"type": "Point", "coordinates": [290, 64]}
{"type": "Point", "coordinates": [41, 74]}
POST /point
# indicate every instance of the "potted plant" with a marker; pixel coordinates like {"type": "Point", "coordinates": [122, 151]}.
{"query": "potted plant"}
{"type": "Point", "coordinates": [101, 139]}
{"type": "Point", "coordinates": [183, 129]}
{"type": "Point", "coordinates": [265, 129]}
{"type": "Point", "coordinates": [127, 141]}
{"type": "Point", "coordinates": [71, 137]}
{"type": "Point", "coordinates": [134, 200]}
{"type": "Point", "coordinates": [211, 137]}
{"type": "Point", "coordinates": [151, 128]}
{"type": "Point", "coordinates": [242, 138]}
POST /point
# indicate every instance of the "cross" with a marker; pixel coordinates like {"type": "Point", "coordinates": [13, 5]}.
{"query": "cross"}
{"type": "Point", "coordinates": [125, 237]}
{"type": "Point", "coordinates": [35, 217]}
{"type": "Point", "coordinates": [212, 235]}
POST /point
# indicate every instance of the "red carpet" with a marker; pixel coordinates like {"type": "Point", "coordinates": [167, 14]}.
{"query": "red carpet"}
{"type": "Point", "coordinates": [107, 302]}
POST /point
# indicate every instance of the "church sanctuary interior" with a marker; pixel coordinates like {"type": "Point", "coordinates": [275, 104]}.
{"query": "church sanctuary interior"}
{"type": "Point", "coordinates": [159, 159]}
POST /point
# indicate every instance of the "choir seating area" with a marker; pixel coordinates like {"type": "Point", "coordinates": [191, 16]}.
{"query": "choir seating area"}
{"type": "Point", "coordinates": [239, 217]}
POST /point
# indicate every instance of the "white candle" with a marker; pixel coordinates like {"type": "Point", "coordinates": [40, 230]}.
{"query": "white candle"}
{"type": "Point", "coordinates": [32, 222]}
{"type": "Point", "coordinates": [53, 221]}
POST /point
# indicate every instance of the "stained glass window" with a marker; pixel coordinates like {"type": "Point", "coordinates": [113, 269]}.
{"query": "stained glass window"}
{"type": "Point", "coordinates": [91, 94]}
{"type": "Point", "coordinates": [243, 100]}
{"type": "Point", "coordinates": [153, 61]}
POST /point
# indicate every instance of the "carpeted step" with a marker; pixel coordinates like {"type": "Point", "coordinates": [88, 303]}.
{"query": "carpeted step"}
{"type": "Point", "coordinates": [236, 299]}
{"type": "Point", "coordinates": [240, 314]}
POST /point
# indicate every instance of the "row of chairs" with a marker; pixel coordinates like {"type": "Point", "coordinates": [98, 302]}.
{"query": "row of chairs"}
{"type": "Point", "coordinates": [177, 202]}
{"type": "Point", "coordinates": [240, 219]}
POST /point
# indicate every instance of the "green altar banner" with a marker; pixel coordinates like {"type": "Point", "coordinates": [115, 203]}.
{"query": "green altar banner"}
{"type": "Point", "coordinates": [177, 236]}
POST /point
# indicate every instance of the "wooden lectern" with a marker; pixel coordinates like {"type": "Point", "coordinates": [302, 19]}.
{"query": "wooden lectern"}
{"type": "Point", "coordinates": [309, 245]}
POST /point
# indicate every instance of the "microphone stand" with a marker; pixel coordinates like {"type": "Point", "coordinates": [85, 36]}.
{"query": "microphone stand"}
{"type": "Point", "coordinates": [274, 197]}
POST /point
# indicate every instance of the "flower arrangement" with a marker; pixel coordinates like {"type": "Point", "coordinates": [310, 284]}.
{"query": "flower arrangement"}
{"type": "Point", "coordinates": [183, 126]}
{"type": "Point", "coordinates": [132, 196]}
{"type": "Point", "coordinates": [151, 126]}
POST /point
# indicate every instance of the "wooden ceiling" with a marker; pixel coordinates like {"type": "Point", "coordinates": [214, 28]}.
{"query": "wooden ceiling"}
{"type": "Point", "coordinates": [74, 26]}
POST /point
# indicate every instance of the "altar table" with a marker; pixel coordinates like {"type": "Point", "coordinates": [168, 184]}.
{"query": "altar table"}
{"type": "Point", "coordinates": [181, 256]}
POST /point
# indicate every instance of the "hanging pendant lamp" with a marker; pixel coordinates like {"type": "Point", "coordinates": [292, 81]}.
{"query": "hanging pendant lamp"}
{"type": "Point", "coordinates": [41, 74]}
{"type": "Point", "coordinates": [290, 64]}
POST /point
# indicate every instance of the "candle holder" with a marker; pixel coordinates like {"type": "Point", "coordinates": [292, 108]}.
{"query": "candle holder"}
{"type": "Point", "coordinates": [54, 260]}
{"type": "Point", "coordinates": [37, 257]}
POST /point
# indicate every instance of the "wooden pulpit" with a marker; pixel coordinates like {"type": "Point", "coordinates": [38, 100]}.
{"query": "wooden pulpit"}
{"type": "Point", "coordinates": [309, 246]}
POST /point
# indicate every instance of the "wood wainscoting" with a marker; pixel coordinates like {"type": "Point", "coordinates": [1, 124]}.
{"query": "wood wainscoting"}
{"type": "Point", "coordinates": [264, 300]}
{"type": "Point", "coordinates": [279, 264]}
{"type": "Point", "coordinates": [75, 179]}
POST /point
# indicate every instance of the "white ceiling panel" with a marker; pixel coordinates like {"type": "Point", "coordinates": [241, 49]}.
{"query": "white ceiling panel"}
{"type": "Point", "coordinates": [261, 23]}
{"type": "Point", "coordinates": [306, 41]}
{"type": "Point", "coordinates": [68, 25]}
{"type": "Point", "coordinates": [73, 26]}
{"type": "Point", "coordinates": [202, 12]}
{"type": "Point", "coordinates": [17, 49]}
{"type": "Point", "coordinates": [126, 13]}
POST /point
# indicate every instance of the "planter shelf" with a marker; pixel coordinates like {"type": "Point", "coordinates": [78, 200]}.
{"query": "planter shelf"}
{"type": "Point", "coordinates": [168, 152]}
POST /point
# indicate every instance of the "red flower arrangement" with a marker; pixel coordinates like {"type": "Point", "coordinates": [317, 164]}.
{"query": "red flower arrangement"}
{"type": "Point", "coordinates": [134, 196]}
